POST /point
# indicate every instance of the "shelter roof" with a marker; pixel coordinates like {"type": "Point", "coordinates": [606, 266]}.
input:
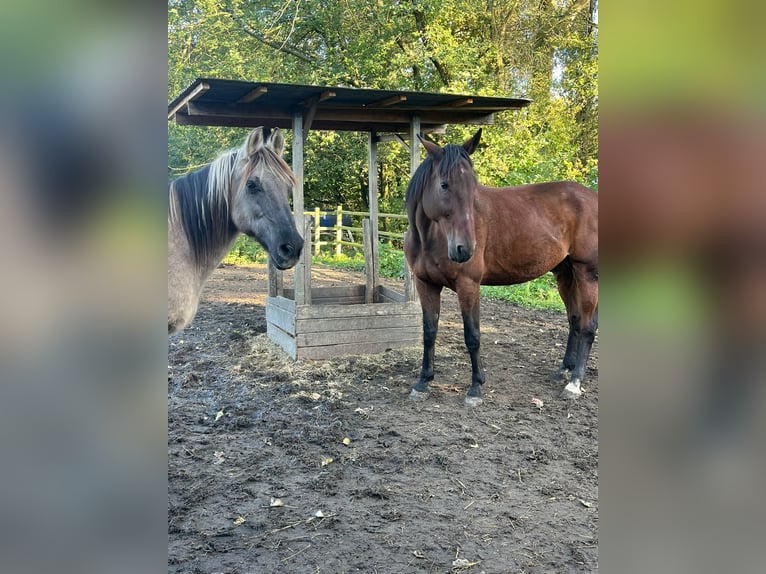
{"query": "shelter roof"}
{"type": "Point", "coordinates": [219, 102]}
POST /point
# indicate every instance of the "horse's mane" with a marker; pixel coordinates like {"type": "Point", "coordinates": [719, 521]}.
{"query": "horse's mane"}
{"type": "Point", "coordinates": [450, 160]}
{"type": "Point", "coordinates": [199, 201]}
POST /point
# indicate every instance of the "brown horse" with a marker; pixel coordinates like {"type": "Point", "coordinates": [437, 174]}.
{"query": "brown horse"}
{"type": "Point", "coordinates": [463, 235]}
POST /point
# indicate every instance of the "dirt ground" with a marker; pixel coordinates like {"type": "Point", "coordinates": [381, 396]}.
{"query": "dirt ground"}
{"type": "Point", "coordinates": [327, 467]}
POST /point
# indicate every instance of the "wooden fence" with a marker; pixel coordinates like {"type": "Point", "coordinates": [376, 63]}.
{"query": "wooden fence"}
{"type": "Point", "coordinates": [346, 235]}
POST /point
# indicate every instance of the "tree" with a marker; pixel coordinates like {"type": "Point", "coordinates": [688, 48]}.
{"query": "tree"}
{"type": "Point", "coordinates": [541, 49]}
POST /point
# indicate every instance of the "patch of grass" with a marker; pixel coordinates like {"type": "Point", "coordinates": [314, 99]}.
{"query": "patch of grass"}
{"type": "Point", "coordinates": [245, 250]}
{"type": "Point", "coordinates": [342, 261]}
{"type": "Point", "coordinates": [391, 261]}
{"type": "Point", "coordinates": [540, 293]}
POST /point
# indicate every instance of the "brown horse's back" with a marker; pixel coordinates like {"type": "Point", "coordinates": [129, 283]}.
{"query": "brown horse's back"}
{"type": "Point", "coordinates": [525, 231]}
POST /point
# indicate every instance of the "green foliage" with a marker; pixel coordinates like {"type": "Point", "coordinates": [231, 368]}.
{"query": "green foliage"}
{"type": "Point", "coordinates": [390, 261]}
{"type": "Point", "coordinates": [543, 50]}
{"type": "Point", "coordinates": [342, 261]}
{"type": "Point", "coordinates": [244, 251]}
{"type": "Point", "coordinates": [540, 293]}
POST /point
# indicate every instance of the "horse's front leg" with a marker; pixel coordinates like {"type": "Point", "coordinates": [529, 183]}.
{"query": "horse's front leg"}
{"type": "Point", "coordinates": [468, 296]}
{"type": "Point", "coordinates": [430, 301]}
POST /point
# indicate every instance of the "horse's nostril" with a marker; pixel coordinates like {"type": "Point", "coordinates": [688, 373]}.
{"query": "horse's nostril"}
{"type": "Point", "coordinates": [461, 254]}
{"type": "Point", "coordinates": [286, 250]}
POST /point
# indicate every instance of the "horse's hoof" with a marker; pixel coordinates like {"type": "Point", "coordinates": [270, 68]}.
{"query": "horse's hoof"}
{"type": "Point", "coordinates": [418, 395]}
{"type": "Point", "coordinates": [571, 391]}
{"type": "Point", "coordinates": [473, 401]}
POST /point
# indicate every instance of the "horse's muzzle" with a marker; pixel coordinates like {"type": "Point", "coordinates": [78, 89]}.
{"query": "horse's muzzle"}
{"type": "Point", "coordinates": [287, 254]}
{"type": "Point", "coordinates": [459, 253]}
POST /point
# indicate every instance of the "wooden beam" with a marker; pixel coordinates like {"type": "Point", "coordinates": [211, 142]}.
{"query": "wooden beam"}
{"type": "Point", "coordinates": [372, 178]}
{"type": "Point", "coordinates": [326, 95]}
{"type": "Point", "coordinates": [308, 120]}
{"type": "Point", "coordinates": [201, 88]}
{"type": "Point", "coordinates": [253, 95]}
{"type": "Point", "coordinates": [403, 138]}
{"type": "Point", "coordinates": [334, 114]}
{"type": "Point", "coordinates": [457, 103]}
{"type": "Point", "coordinates": [314, 100]}
{"type": "Point", "coordinates": [388, 101]}
{"type": "Point", "coordinates": [311, 104]}
{"type": "Point", "coordinates": [255, 121]}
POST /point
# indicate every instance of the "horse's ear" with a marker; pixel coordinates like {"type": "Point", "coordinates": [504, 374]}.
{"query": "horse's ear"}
{"type": "Point", "coordinates": [277, 142]}
{"type": "Point", "coordinates": [433, 149]}
{"type": "Point", "coordinates": [471, 144]}
{"type": "Point", "coordinates": [254, 141]}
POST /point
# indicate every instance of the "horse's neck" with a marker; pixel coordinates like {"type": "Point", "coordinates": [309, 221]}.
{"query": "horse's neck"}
{"type": "Point", "coordinates": [215, 256]}
{"type": "Point", "coordinates": [203, 223]}
{"type": "Point", "coordinates": [423, 225]}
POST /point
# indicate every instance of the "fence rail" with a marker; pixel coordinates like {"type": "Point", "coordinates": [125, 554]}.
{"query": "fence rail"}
{"type": "Point", "coordinates": [344, 235]}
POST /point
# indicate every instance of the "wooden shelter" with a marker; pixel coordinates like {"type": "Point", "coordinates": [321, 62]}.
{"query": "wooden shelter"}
{"type": "Point", "coordinates": [317, 323]}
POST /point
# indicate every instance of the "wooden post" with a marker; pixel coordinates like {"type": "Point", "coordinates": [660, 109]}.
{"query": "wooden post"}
{"type": "Point", "coordinates": [409, 280]}
{"type": "Point", "coordinates": [372, 168]}
{"type": "Point", "coordinates": [276, 287]}
{"type": "Point", "coordinates": [369, 264]}
{"type": "Point", "coordinates": [303, 280]}
{"type": "Point", "coordinates": [338, 230]}
{"type": "Point", "coordinates": [414, 144]}
{"type": "Point", "coordinates": [302, 274]}
{"type": "Point", "coordinates": [317, 232]}
{"type": "Point", "coordinates": [410, 293]}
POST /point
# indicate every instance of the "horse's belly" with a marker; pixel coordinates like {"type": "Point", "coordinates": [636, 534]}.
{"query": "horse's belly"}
{"type": "Point", "coordinates": [518, 274]}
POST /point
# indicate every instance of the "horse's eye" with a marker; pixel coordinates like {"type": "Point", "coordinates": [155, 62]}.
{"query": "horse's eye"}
{"type": "Point", "coordinates": [252, 186]}
{"type": "Point", "coordinates": [445, 185]}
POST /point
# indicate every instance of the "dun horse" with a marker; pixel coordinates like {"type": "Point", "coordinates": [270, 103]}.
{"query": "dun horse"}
{"type": "Point", "coordinates": [463, 234]}
{"type": "Point", "coordinates": [244, 190]}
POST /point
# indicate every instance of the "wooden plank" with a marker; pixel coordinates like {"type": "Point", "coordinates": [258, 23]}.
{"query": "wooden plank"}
{"type": "Point", "coordinates": [282, 303]}
{"type": "Point", "coordinates": [413, 324]}
{"type": "Point", "coordinates": [195, 93]}
{"type": "Point", "coordinates": [346, 311]}
{"type": "Point", "coordinates": [329, 292]}
{"type": "Point", "coordinates": [363, 118]}
{"type": "Point", "coordinates": [281, 318]}
{"type": "Point", "coordinates": [253, 95]}
{"type": "Point", "coordinates": [331, 351]}
{"type": "Point", "coordinates": [388, 101]}
{"type": "Point", "coordinates": [284, 121]}
{"type": "Point", "coordinates": [324, 338]}
{"type": "Point", "coordinates": [338, 301]}
{"type": "Point", "coordinates": [456, 103]}
{"type": "Point", "coordinates": [391, 295]}
{"type": "Point", "coordinates": [284, 340]}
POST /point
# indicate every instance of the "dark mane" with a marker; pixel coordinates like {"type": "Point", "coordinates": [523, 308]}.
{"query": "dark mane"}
{"type": "Point", "coordinates": [199, 201]}
{"type": "Point", "coordinates": [453, 155]}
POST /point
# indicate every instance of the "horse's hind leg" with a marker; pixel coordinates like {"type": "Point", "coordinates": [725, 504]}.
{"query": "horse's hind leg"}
{"type": "Point", "coordinates": [565, 281]}
{"type": "Point", "coordinates": [430, 301]}
{"type": "Point", "coordinates": [582, 311]}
